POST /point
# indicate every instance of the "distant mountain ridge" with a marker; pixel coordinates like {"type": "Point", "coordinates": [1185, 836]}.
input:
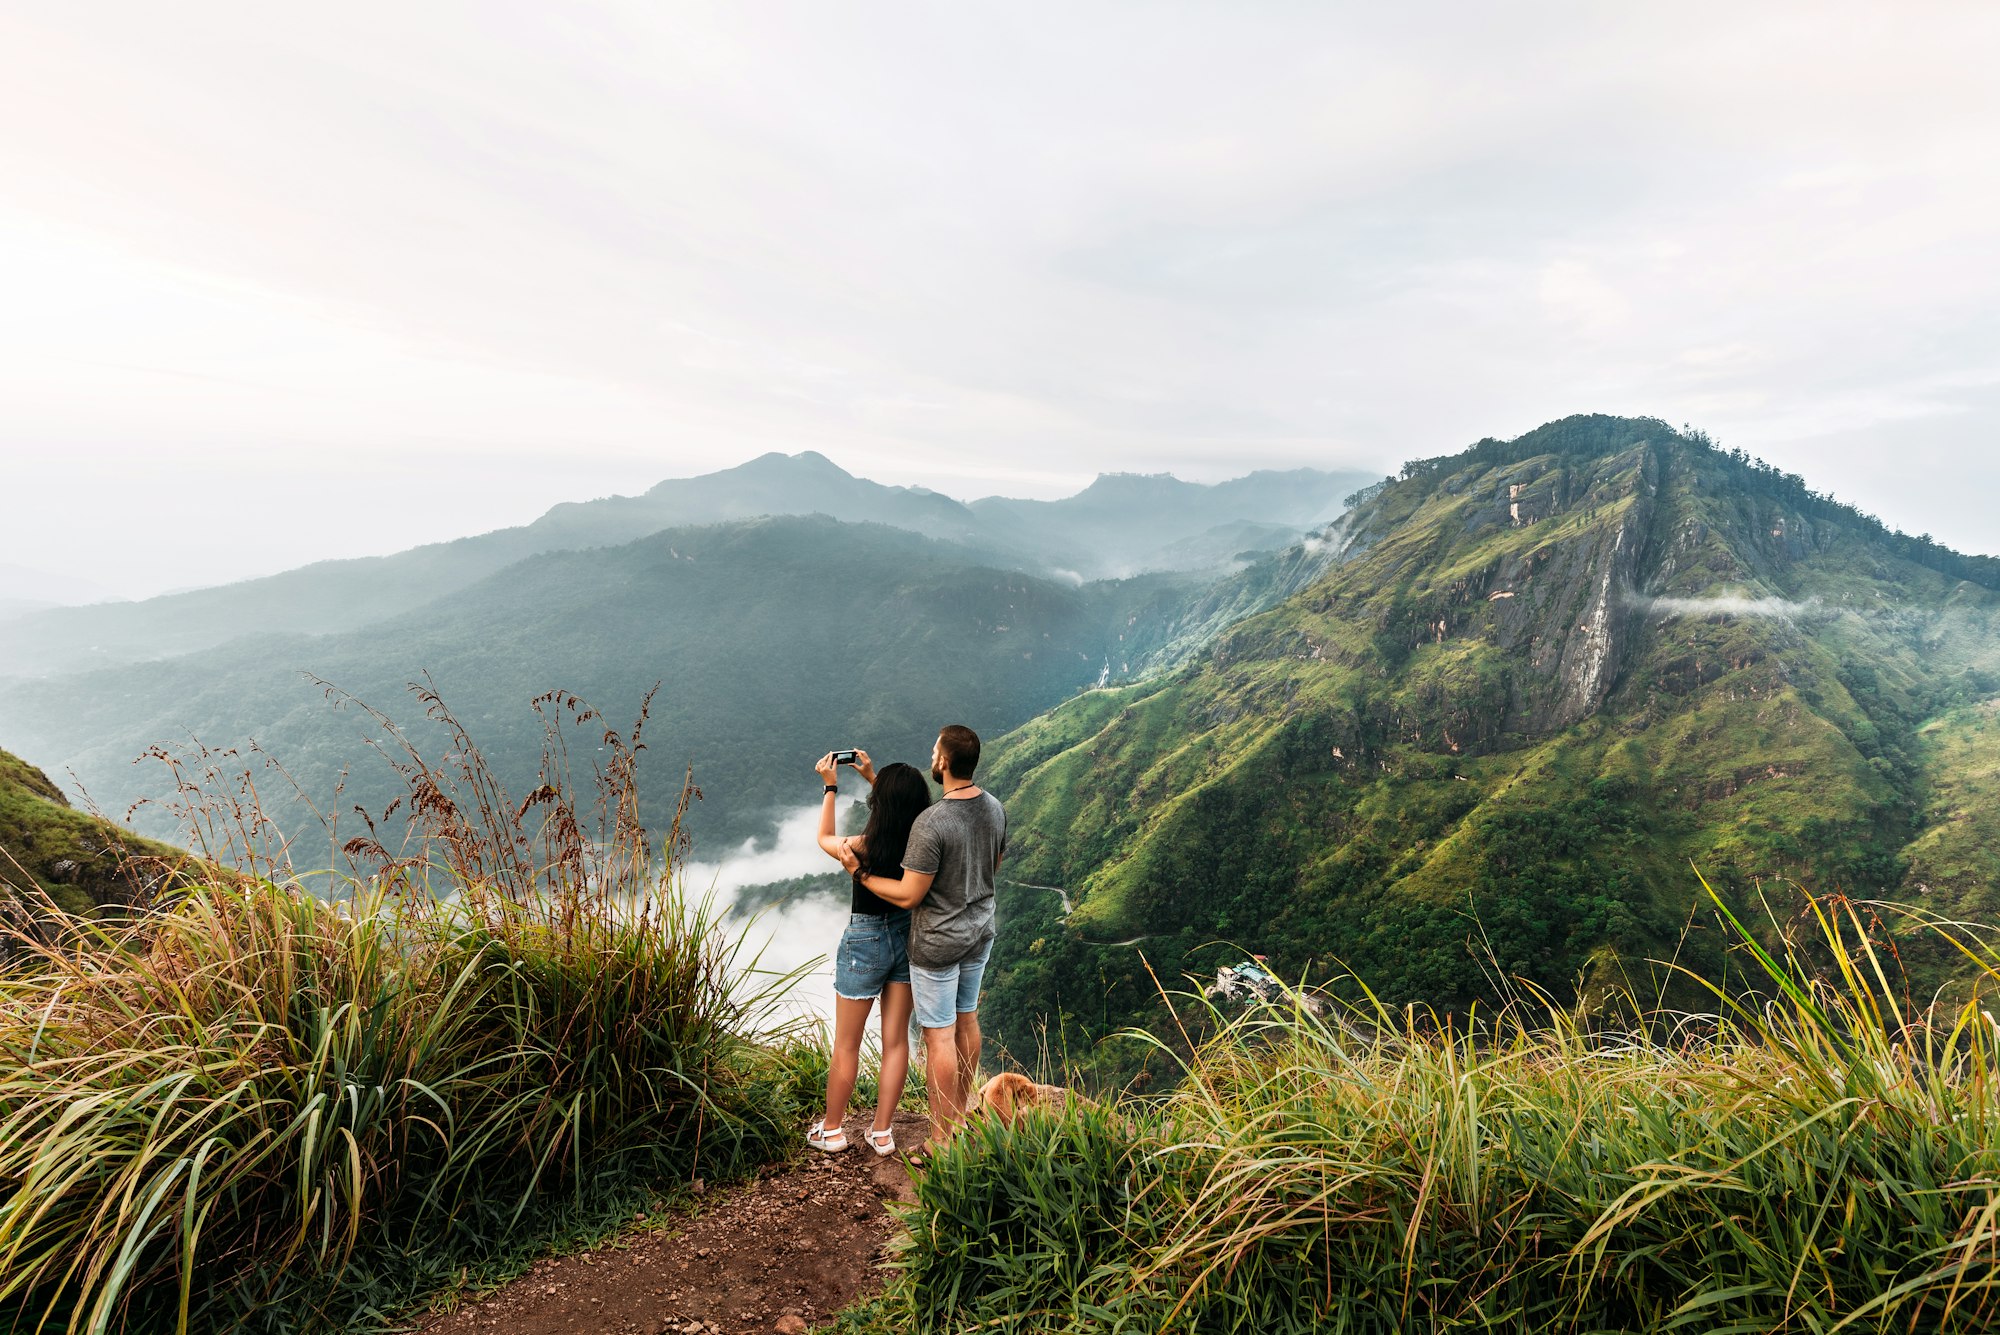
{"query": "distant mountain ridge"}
{"type": "Point", "coordinates": [771, 484]}
{"type": "Point", "coordinates": [1128, 531]}
{"type": "Point", "coordinates": [1128, 523]}
{"type": "Point", "coordinates": [25, 589]}
{"type": "Point", "coordinates": [1489, 735]}
{"type": "Point", "coordinates": [776, 638]}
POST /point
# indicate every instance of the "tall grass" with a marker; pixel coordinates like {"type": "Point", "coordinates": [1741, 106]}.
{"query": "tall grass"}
{"type": "Point", "coordinates": [215, 1114]}
{"type": "Point", "coordinates": [1820, 1159]}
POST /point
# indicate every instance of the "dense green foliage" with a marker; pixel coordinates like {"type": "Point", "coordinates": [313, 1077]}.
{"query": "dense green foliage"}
{"type": "Point", "coordinates": [253, 1107]}
{"type": "Point", "coordinates": [266, 1108]}
{"type": "Point", "coordinates": [1591, 434]}
{"type": "Point", "coordinates": [1955, 862]}
{"type": "Point", "coordinates": [1544, 677]}
{"type": "Point", "coordinates": [1816, 1159]}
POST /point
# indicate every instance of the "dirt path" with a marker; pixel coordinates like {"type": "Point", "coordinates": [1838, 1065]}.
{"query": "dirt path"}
{"type": "Point", "coordinates": [783, 1253]}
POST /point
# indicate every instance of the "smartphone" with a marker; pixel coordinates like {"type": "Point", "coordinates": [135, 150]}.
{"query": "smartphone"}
{"type": "Point", "coordinates": [845, 757]}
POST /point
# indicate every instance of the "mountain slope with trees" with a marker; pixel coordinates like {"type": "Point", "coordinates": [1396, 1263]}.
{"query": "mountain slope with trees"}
{"type": "Point", "coordinates": [774, 641]}
{"type": "Point", "coordinates": [1544, 677]}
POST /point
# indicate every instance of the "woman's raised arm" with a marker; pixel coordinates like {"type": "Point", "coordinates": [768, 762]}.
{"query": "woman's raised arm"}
{"type": "Point", "coordinates": [829, 775]}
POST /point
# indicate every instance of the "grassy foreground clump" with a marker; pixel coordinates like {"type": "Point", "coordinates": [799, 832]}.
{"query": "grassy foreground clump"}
{"type": "Point", "coordinates": [252, 1108]}
{"type": "Point", "coordinates": [1814, 1162]}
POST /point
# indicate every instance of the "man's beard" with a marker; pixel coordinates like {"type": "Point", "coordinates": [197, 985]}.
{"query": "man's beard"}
{"type": "Point", "coordinates": [937, 775]}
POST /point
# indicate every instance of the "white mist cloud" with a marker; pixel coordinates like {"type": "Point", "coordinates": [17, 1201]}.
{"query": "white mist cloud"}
{"type": "Point", "coordinates": [1734, 605]}
{"type": "Point", "coordinates": [801, 934]}
{"type": "Point", "coordinates": [1333, 538]}
{"type": "Point", "coordinates": [794, 851]}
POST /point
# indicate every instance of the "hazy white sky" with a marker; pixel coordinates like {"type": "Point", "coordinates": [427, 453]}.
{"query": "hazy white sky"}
{"type": "Point", "coordinates": [283, 282]}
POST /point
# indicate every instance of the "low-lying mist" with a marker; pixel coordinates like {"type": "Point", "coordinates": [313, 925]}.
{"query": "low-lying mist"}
{"type": "Point", "coordinates": [801, 933]}
{"type": "Point", "coordinates": [1736, 605]}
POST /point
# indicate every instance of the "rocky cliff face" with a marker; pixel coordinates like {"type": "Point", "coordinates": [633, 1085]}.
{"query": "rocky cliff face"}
{"type": "Point", "coordinates": [1539, 679]}
{"type": "Point", "coordinates": [1503, 593]}
{"type": "Point", "coordinates": [1565, 543]}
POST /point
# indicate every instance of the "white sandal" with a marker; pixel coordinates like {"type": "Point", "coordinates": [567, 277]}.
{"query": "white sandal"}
{"type": "Point", "coordinates": [823, 1137]}
{"type": "Point", "coordinates": [883, 1142]}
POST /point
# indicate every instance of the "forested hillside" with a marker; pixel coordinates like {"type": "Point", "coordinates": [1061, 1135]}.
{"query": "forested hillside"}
{"type": "Point", "coordinates": [1548, 678]}
{"type": "Point", "coordinates": [774, 640]}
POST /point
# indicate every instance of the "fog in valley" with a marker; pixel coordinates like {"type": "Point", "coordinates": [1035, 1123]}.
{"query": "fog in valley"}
{"type": "Point", "coordinates": [794, 934]}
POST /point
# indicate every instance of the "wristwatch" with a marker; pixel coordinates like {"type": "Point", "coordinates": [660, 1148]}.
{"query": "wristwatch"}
{"type": "Point", "coordinates": [833, 788]}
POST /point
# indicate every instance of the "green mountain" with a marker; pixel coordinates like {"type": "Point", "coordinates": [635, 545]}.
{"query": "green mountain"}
{"type": "Point", "coordinates": [1540, 682]}
{"type": "Point", "coordinates": [47, 847]}
{"type": "Point", "coordinates": [775, 639]}
{"type": "Point", "coordinates": [1118, 526]}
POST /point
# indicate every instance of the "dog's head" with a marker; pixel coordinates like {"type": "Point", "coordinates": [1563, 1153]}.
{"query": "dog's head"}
{"type": "Point", "coordinates": [1007, 1094]}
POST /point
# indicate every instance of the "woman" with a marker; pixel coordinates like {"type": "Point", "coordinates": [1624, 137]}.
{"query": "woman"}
{"type": "Point", "coordinates": [874, 956]}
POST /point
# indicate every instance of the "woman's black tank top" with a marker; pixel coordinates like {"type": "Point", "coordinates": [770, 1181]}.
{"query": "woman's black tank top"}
{"type": "Point", "coordinates": [866, 900]}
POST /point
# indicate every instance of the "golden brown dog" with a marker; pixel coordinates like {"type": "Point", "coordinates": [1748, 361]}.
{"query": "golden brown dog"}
{"type": "Point", "coordinates": [1009, 1093]}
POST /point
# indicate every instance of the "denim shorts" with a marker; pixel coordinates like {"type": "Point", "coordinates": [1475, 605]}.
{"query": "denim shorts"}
{"type": "Point", "coordinates": [874, 951]}
{"type": "Point", "coordinates": [942, 995]}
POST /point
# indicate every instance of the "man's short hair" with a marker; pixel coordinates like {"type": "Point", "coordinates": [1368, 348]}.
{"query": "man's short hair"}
{"type": "Point", "coordinates": [960, 747]}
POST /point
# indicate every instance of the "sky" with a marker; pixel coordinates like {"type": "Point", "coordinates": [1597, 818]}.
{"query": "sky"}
{"type": "Point", "coordinates": [281, 283]}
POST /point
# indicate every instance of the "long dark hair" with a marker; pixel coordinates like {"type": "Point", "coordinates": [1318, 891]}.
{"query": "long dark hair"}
{"type": "Point", "coordinates": [894, 803]}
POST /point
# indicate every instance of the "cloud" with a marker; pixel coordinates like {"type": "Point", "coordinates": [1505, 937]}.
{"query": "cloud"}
{"type": "Point", "coordinates": [799, 935]}
{"type": "Point", "coordinates": [1730, 605]}
{"type": "Point", "coordinates": [1573, 291]}
{"type": "Point", "coordinates": [346, 268]}
{"type": "Point", "coordinates": [793, 851]}
{"type": "Point", "coordinates": [1333, 539]}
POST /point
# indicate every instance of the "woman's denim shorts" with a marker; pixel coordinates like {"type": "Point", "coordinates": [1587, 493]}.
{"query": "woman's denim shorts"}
{"type": "Point", "coordinates": [874, 951]}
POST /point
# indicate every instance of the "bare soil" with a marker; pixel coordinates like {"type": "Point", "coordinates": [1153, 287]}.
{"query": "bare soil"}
{"type": "Point", "coordinates": [782, 1253]}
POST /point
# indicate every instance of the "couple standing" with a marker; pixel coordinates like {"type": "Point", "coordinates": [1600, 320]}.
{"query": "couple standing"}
{"type": "Point", "coordinates": [920, 932]}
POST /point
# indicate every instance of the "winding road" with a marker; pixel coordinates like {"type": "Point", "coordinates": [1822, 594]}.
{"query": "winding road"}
{"type": "Point", "coordinates": [1069, 908]}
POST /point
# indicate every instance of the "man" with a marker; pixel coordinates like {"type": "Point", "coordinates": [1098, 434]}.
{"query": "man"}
{"type": "Point", "coordinates": [954, 849]}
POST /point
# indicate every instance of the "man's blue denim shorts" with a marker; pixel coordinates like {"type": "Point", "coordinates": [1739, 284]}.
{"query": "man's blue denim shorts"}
{"type": "Point", "coordinates": [942, 995]}
{"type": "Point", "coordinates": [874, 952]}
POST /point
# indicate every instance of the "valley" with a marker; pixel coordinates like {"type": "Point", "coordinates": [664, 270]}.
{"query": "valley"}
{"type": "Point", "coordinates": [1482, 727]}
{"type": "Point", "coordinates": [1471, 752]}
{"type": "Point", "coordinates": [775, 631]}
{"type": "Point", "coordinates": [1439, 561]}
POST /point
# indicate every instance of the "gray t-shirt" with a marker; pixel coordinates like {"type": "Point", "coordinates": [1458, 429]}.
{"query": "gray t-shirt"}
{"type": "Point", "coordinates": [957, 841]}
